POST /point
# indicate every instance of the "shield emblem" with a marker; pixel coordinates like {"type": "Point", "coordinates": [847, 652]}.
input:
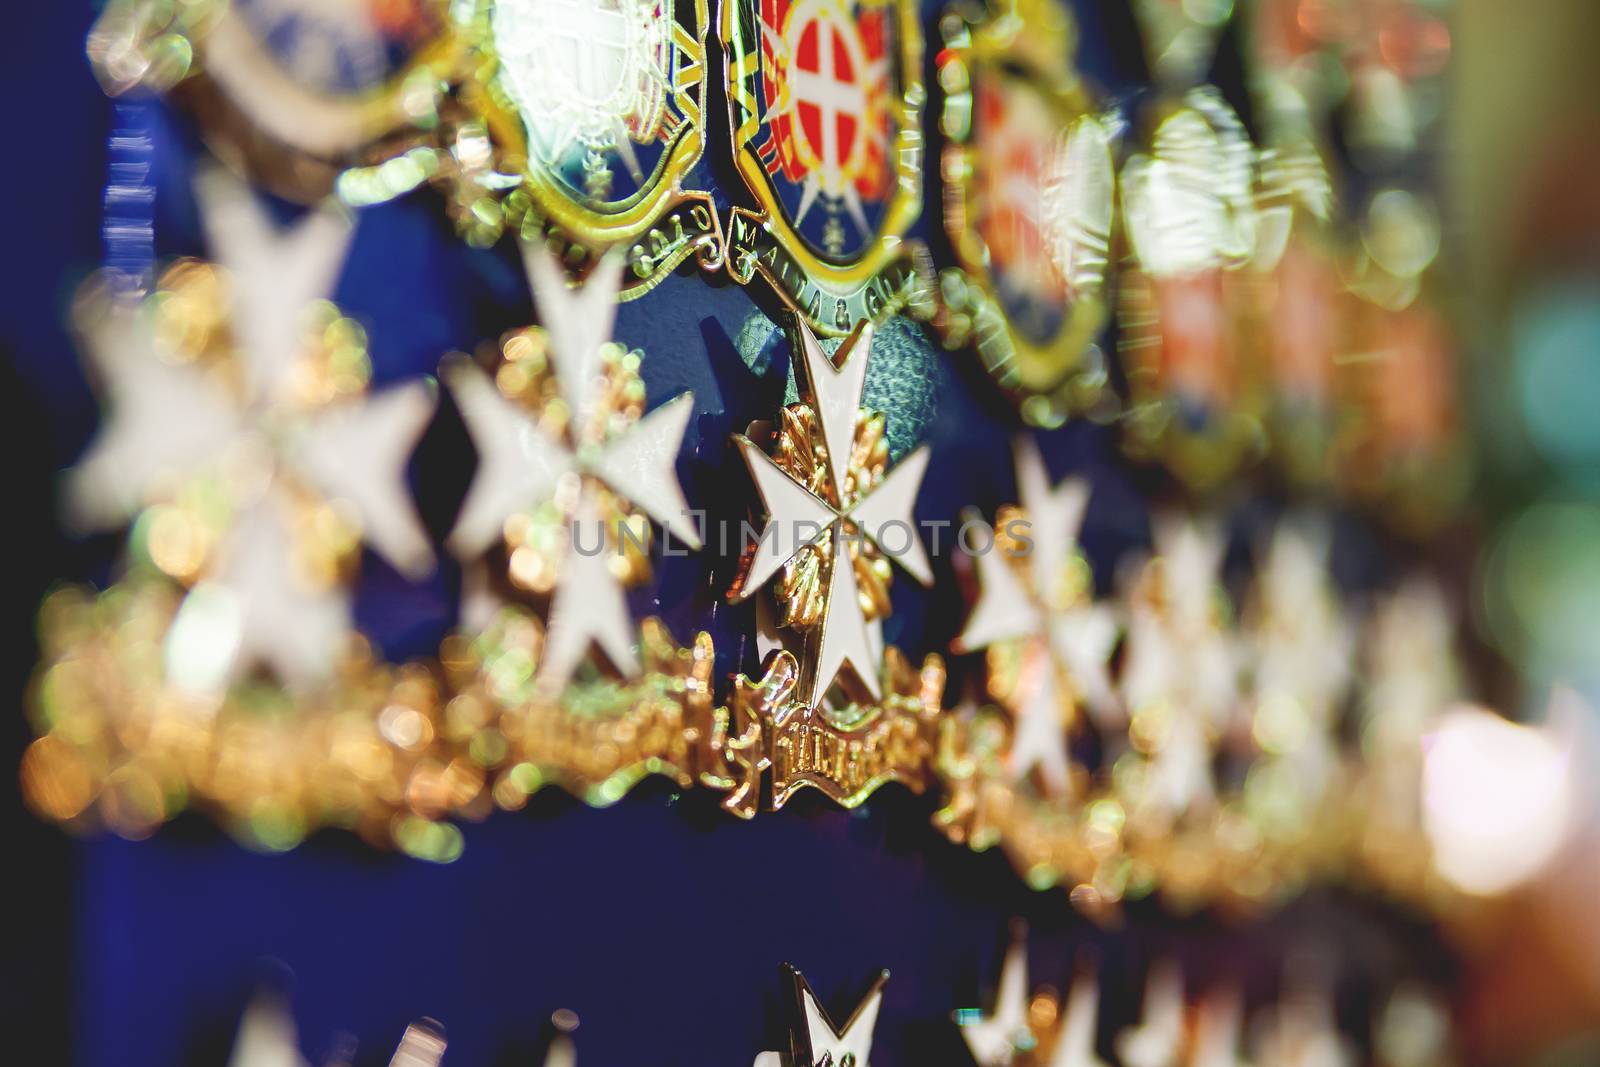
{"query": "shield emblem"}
{"type": "Point", "coordinates": [825, 76]}
{"type": "Point", "coordinates": [826, 99]}
{"type": "Point", "coordinates": [590, 79]}
{"type": "Point", "coordinates": [569, 123]}
{"type": "Point", "coordinates": [1017, 138]}
{"type": "Point", "coordinates": [1028, 194]}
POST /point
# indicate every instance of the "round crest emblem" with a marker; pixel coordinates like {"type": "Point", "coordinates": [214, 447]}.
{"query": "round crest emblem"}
{"type": "Point", "coordinates": [1028, 197]}
{"type": "Point", "coordinates": [590, 79]}
{"type": "Point", "coordinates": [600, 101]}
{"type": "Point", "coordinates": [571, 123]}
{"type": "Point", "coordinates": [1190, 211]}
{"type": "Point", "coordinates": [826, 100]}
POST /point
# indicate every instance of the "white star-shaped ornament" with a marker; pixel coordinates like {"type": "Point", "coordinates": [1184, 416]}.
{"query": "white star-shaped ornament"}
{"type": "Point", "coordinates": [1158, 1039]}
{"type": "Point", "coordinates": [1302, 1034]}
{"type": "Point", "coordinates": [1409, 661]}
{"type": "Point", "coordinates": [818, 1042]}
{"type": "Point", "coordinates": [170, 423]}
{"type": "Point", "coordinates": [1177, 654]}
{"type": "Point", "coordinates": [1076, 640]}
{"type": "Point", "coordinates": [797, 517]}
{"type": "Point", "coordinates": [1209, 657]}
{"type": "Point", "coordinates": [520, 466]}
{"type": "Point", "coordinates": [997, 1038]}
{"type": "Point", "coordinates": [266, 1035]}
{"type": "Point", "coordinates": [1302, 645]}
{"type": "Point", "coordinates": [1079, 1025]}
{"type": "Point", "coordinates": [1216, 1031]}
{"type": "Point", "coordinates": [1309, 654]}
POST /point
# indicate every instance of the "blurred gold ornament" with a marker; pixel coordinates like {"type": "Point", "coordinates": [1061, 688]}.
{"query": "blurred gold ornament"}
{"type": "Point", "coordinates": [571, 470]}
{"type": "Point", "coordinates": [848, 752]}
{"type": "Point", "coordinates": [1029, 192]}
{"type": "Point", "coordinates": [242, 441]}
{"type": "Point", "coordinates": [547, 149]}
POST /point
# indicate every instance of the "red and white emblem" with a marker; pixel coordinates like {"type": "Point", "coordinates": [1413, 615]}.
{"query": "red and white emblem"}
{"type": "Point", "coordinates": [1016, 156]}
{"type": "Point", "coordinates": [825, 74]}
{"type": "Point", "coordinates": [1196, 312]}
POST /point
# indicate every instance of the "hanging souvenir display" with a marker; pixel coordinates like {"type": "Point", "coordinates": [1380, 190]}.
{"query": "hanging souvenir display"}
{"type": "Point", "coordinates": [335, 594]}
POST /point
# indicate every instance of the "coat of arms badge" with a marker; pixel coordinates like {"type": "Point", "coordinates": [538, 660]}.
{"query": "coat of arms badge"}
{"type": "Point", "coordinates": [1028, 197]}
{"type": "Point", "coordinates": [825, 101]}
{"type": "Point", "coordinates": [569, 123]}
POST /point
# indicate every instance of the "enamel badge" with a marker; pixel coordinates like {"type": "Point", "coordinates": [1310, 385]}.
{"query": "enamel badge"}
{"type": "Point", "coordinates": [573, 123]}
{"type": "Point", "coordinates": [1190, 214]}
{"type": "Point", "coordinates": [1028, 186]}
{"type": "Point", "coordinates": [825, 101]}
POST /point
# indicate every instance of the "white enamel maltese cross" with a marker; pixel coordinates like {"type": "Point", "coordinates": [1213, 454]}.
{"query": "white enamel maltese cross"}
{"type": "Point", "coordinates": [797, 516]}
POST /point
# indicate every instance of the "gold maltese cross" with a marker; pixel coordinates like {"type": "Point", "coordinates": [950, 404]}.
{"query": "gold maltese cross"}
{"type": "Point", "coordinates": [836, 515]}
